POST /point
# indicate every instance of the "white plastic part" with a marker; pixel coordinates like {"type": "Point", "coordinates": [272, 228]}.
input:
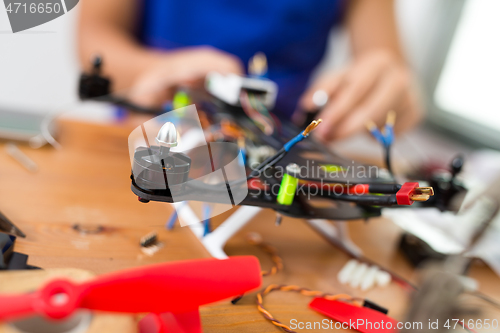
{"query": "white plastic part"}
{"type": "Point", "coordinates": [358, 275]}
{"type": "Point", "coordinates": [345, 274]}
{"type": "Point", "coordinates": [214, 242]}
{"type": "Point", "coordinates": [383, 278]}
{"type": "Point", "coordinates": [151, 250]}
{"type": "Point", "coordinates": [470, 284]}
{"type": "Point", "coordinates": [188, 217]}
{"type": "Point", "coordinates": [228, 88]}
{"type": "Point", "coordinates": [369, 279]}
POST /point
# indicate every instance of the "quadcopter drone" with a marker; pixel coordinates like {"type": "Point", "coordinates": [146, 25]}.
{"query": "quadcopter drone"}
{"type": "Point", "coordinates": [267, 152]}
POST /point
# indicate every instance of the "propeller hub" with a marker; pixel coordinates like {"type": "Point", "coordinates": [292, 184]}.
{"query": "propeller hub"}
{"type": "Point", "coordinates": [60, 298]}
{"type": "Point", "coordinates": [167, 136]}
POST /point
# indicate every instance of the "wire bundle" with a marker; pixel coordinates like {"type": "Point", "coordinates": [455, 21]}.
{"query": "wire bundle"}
{"type": "Point", "coordinates": [256, 239]}
{"type": "Point", "coordinates": [370, 194]}
{"type": "Point", "coordinates": [302, 291]}
{"type": "Point", "coordinates": [195, 185]}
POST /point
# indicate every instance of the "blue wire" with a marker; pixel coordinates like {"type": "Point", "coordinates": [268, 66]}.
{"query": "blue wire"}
{"type": "Point", "coordinates": [287, 146]}
{"type": "Point", "coordinates": [378, 135]}
{"type": "Point", "coordinates": [206, 219]}
{"type": "Point", "coordinates": [167, 106]}
{"type": "Point", "coordinates": [171, 220]}
{"type": "Point", "coordinates": [262, 77]}
{"type": "Point", "coordinates": [385, 139]}
{"type": "Point", "coordinates": [389, 135]}
{"type": "Point", "coordinates": [243, 157]}
{"type": "Point", "coordinates": [120, 113]}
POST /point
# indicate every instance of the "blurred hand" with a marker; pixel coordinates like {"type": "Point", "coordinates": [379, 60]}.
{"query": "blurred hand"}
{"type": "Point", "coordinates": [371, 86]}
{"type": "Point", "coordinates": [187, 67]}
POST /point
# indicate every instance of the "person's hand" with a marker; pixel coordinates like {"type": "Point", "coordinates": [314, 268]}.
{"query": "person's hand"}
{"type": "Point", "coordinates": [370, 87]}
{"type": "Point", "coordinates": [186, 67]}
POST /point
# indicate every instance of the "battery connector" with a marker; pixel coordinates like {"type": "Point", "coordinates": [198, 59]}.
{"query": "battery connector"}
{"type": "Point", "coordinates": [411, 192]}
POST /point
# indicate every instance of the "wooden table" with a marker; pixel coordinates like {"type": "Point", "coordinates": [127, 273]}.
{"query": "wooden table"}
{"type": "Point", "coordinates": [87, 183]}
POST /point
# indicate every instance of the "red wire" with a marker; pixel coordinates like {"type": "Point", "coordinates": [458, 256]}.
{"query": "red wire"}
{"type": "Point", "coordinates": [357, 189]}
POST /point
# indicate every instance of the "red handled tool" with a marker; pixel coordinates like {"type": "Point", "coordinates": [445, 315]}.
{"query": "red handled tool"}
{"type": "Point", "coordinates": [171, 291]}
{"type": "Point", "coordinates": [360, 318]}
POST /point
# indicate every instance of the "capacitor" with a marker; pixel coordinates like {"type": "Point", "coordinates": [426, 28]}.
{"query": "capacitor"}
{"type": "Point", "coordinates": [181, 99]}
{"type": "Point", "coordinates": [289, 184]}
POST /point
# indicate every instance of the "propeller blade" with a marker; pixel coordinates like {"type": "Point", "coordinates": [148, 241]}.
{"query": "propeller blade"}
{"type": "Point", "coordinates": [172, 287]}
{"type": "Point", "coordinates": [178, 287]}
{"type": "Point", "coordinates": [17, 306]}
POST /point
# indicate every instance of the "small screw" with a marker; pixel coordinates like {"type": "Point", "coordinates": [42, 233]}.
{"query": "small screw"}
{"type": "Point", "coordinates": [278, 220]}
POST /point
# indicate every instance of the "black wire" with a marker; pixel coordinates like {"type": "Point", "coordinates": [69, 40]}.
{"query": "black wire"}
{"type": "Point", "coordinates": [371, 200]}
{"type": "Point", "coordinates": [388, 161]}
{"type": "Point", "coordinates": [268, 162]}
{"type": "Point", "coordinates": [119, 101]}
{"type": "Point", "coordinates": [199, 185]}
{"type": "Point", "coordinates": [384, 188]}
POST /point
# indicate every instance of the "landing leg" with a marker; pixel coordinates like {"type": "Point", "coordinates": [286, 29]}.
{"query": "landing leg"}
{"type": "Point", "coordinates": [214, 242]}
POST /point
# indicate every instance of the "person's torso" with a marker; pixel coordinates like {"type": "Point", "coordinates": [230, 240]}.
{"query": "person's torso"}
{"type": "Point", "coordinates": [291, 33]}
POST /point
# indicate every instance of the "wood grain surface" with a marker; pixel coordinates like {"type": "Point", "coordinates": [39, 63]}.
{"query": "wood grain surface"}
{"type": "Point", "coordinates": [28, 280]}
{"type": "Point", "coordinates": [87, 183]}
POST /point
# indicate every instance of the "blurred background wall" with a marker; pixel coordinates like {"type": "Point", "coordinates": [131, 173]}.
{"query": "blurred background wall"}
{"type": "Point", "coordinates": [38, 67]}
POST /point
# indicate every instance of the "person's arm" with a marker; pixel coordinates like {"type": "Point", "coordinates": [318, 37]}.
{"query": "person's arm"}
{"type": "Point", "coordinates": [372, 26]}
{"type": "Point", "coordinates": [377, 80]}
{"type": "Point", "coordinates": [107, 28]}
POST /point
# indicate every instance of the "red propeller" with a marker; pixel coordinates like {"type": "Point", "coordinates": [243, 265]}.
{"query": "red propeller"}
{"type": "Point", "coordinates": [178, 288]}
